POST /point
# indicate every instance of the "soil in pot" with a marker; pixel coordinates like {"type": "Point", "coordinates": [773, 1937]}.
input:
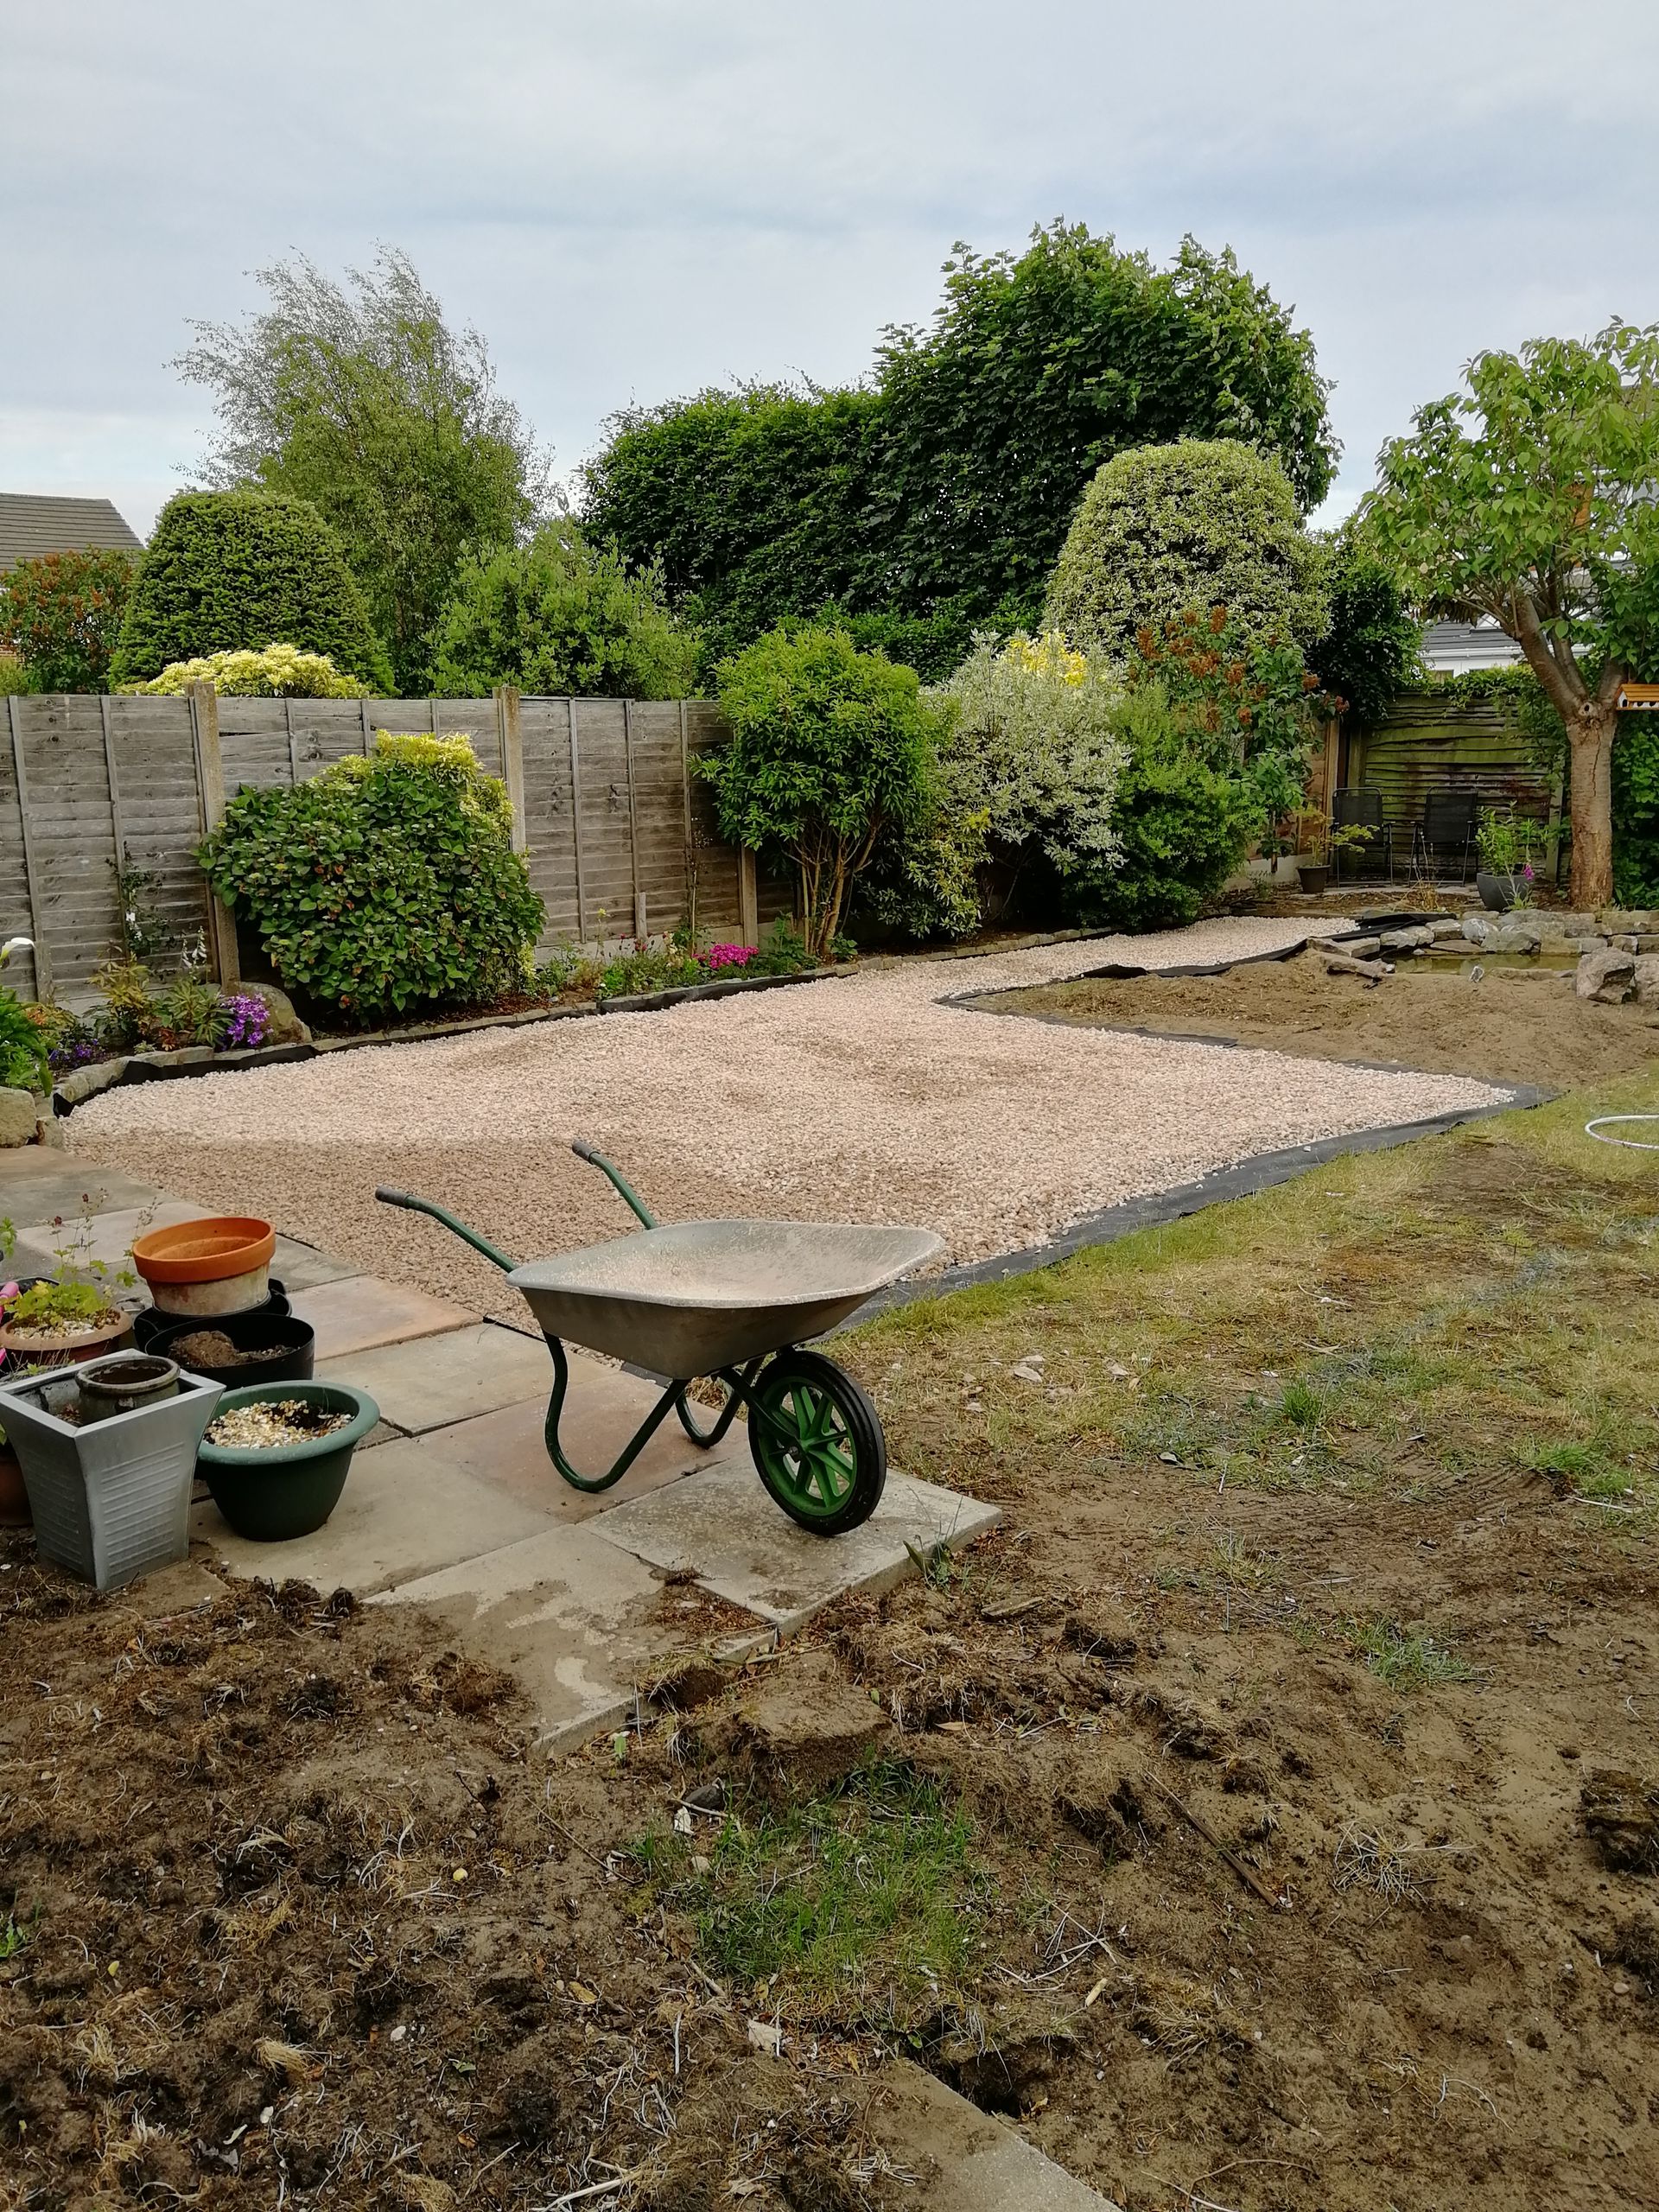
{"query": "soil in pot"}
{"type": "Point", "coordinates": [43, 1346]}
{"type": "Point", "coordinates": [242, 1348]}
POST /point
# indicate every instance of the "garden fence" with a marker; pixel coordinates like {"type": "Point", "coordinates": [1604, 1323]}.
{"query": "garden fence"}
{"type": "Point", "coordinates": [617, 829]}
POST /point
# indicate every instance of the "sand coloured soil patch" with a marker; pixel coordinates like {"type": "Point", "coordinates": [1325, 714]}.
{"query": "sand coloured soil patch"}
{"type": "Point", "coordinates": [862, 1098]}
{"type": "Point", "coordinates": [1511, 1026]}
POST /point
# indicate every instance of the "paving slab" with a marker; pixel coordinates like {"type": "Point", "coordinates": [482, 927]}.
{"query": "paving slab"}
{"type": "Point", "coordinates": [720, 1525]}
{"type": "Point", "coordinates": [567, 1614]}
{"type": "Point", "coordinates": [507, 1450]}
{"type": "Point", "coordinates": [406, 1511]}
{"type": "Point", "coordinates": [359, 1312]}
{"type": "Point", "coordinates": [109, 1239]}
{"type": "Point", "coordinates": [962, 2159]}
{"type": "Point", "coordinates": [301, 1266]}
{"type": "Point", "coordinates": [37, 1182]}
{"type": "Point", "coordinates": [431, 1382]}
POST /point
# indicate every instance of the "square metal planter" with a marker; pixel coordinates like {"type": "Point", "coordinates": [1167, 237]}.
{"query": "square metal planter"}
{"type": "Point", "coordinates": [112, 1500]}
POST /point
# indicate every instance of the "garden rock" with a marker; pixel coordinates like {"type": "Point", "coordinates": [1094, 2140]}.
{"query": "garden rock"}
{"type": "Point", "coordinates": [1416, 939]}
{"type": "Point", "coordinates": [286, 1027]}
{"type": "Point", "coordinates": [1476, 928]}
{"type": "Point", "coordinates": [1450, 926]}
{"type": "Point", "coordinates": [1515, 933]}
{"type": "Point", "coordinates": [1361, 948]}
{"type": "Point", "coordinates": [19, 1116]}
{"type": "Point", "coordinates": [1616, 921]}
{"type": "Point", "coordinates": [1607, 977]}
{"type": "Point", "coordinates": [1647, 980]}
{"type": "Point", "coordinates": [1555, 923]}
{"type": "Point", "coordinates": [81, 1083]}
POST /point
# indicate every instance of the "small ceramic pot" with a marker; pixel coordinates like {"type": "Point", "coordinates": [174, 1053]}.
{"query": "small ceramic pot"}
{"type": "Point", "coordinates": [109, 1387]}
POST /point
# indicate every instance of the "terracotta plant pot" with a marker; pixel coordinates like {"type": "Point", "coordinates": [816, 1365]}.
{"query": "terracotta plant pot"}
{"type": "Point", "coordinates": [28, 1348]}
{"type": "Point", "coordinates": [220, 1265]}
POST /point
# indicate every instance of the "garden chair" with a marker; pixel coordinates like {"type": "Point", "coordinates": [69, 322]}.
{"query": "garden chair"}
{"type": "Point", "coordinates": [1355, 808]}
{"type": "Point", "coordinates": [1450, 821]}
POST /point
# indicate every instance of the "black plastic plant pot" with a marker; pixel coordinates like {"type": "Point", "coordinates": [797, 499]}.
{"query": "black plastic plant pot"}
{"type": "Point", "coordinates": [289, 1346]}
{"type": "Point", "coordinates": [150, 1322]}
{"type": "Point", "coordinates": [272, 1493]}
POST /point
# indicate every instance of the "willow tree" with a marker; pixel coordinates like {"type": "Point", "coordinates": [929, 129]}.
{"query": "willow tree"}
{"type": "Point", "coordinates": [1530, 497]}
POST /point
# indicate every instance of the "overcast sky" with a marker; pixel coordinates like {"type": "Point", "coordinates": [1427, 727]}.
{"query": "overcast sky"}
{"type": "Point", "coordinates": [635, 198]}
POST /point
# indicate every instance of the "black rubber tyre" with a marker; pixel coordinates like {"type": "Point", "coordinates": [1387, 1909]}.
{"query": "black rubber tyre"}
{"type": "Point", "coordinates": [828, 1467]}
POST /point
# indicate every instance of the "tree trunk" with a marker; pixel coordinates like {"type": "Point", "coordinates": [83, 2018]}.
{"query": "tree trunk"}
{"type": "Point", "coordinates": [1590, 789]}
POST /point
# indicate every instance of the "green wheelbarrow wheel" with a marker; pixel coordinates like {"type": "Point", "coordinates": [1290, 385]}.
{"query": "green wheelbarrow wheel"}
{"type": "Point", "coordinates": [817, 1443]}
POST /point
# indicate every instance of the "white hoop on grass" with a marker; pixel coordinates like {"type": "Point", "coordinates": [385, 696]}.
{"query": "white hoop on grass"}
{"type": "Point", "coordinates": [1632, 1144]}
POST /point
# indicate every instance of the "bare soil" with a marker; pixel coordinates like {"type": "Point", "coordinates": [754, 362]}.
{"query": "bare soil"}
{"type": "Point", "coordinates": [1510, 1024]}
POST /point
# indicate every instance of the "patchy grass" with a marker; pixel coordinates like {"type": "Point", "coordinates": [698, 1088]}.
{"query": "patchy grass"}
{"type": "Point", "coordinates": [867, 1898]}
{"type": "Point", "coordinates": [1406, 1659]}
{"type": "Point", "coordinates": [1477, 1307]}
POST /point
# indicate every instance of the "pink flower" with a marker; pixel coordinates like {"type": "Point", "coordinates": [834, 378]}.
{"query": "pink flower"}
{"type": "Point", "coordinates": [7, 1291]}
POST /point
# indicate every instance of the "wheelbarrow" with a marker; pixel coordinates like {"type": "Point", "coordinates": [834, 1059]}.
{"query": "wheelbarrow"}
{"type": "Point", "coordinates": [733, 1302]}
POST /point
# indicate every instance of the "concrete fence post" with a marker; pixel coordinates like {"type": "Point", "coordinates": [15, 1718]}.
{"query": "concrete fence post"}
{"type": "Point", "coordinates": [509, 729]}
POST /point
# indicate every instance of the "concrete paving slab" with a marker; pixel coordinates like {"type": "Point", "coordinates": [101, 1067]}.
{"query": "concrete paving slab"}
{"type": "Point", "coordinates": [301, 1266]}
{"type": "Point", "coordinates": [432, 1382]}
{"type": "Point", "coordinates": [963, 2160]}
{"type": "Point", "coordinates": [36, 1183]}
{"type": "Point", "coordinates": [359, 1312]}
{"type": "Point", "coordinates": [110, 1240]}
{"type": "Point", "coordinates": [568, 1614]}
{"type": "Point", "coordinates": [507, 1450]}
{"type": "Point", "coordinates": [406, 1511]}
{"type": "Point", "coordinates": [720, 1525]}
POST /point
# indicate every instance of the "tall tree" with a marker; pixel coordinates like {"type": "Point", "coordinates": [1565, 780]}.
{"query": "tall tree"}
{"type": "Point", "coordinates": [1529, 497]}
{"type": "Point", "coordinates": [939, 491]}
{"type": "Point", "coordinates": [361, 399]}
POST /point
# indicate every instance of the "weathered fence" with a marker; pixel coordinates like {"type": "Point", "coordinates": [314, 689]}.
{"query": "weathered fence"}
{"type": "Point", "coordinates": [1429, 742]}
{"type": "Point", "coordinates": [617, 829]}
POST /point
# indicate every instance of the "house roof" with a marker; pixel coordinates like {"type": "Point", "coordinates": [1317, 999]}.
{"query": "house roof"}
{"type": "Point", "coordinates": [1452, 647]}
{"type": "Point", "coordinates": [32, 523]}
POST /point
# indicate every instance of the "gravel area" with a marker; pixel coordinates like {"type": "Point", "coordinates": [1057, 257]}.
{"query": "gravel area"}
{"type": "Point", "coordinates": [858, 1098]}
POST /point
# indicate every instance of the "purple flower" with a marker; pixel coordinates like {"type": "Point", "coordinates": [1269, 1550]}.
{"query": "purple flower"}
{"type": "Point", "coordinates": [728, 956]}
{"type": "Point", "coordinates": [249, 1021]}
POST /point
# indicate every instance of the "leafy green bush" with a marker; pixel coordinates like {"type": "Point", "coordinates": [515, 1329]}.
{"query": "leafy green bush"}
{"type": "Point", "coordinates": [830, 749]}
{"type": "Point", "coordinates": [23, 1047]}
{"type": "Point", "coordinates": [558, 616]}
{"type": "Point", "coordinates": [943, 488]}
{"type": "Point", "coordinates": [1373, 649]}
{"type": "Point", "coordinates": [1635, 812]}
{"type": "Point", "coordinates": [61, 615]}
{"type": "Point", "coordinates": [1243, 706]}
{"type": "Point", "coordinates": [16, 680]}
{"type": "Point", "coordinates": [1183, 823]}
{"type": "Point", "coordinates": [276, 672]}
{"type": "Point", "coordinates": [232, 570]}
{"type": "Point", "coordinates": [384, 883]}
{"type": "Point", "coordinates": [1196, 525]}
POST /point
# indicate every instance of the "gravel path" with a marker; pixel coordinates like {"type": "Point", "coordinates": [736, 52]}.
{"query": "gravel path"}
{"type": "Point", "coordinates": [858, 1098]}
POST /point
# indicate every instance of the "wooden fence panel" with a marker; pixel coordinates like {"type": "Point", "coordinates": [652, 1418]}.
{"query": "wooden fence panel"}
{"type": "Point", "coordinates": [71, 855]}
{"type": "Point", "coordinates": [610, 819]}
{"type": "Point", "coordinates": [1428, 743]}
{"type": "Point", "coordinates": [551, 817]}
{"type": "Point", "coordinates": [156, 809]}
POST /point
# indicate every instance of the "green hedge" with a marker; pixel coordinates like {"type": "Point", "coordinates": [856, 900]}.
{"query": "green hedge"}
{"type": "Point", "coordinates": [233, 570]}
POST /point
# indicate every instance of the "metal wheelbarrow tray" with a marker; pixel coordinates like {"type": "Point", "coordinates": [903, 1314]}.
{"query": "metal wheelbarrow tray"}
{"type": "Point", "coordinates": [734, 1300]}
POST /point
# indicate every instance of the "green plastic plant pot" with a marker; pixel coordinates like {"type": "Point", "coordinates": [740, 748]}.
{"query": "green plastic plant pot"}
{"type": "Point", "coordinates": [283, 1491]}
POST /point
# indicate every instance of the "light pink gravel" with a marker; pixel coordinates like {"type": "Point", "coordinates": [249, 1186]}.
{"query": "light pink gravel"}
{"type": "Point", "coordinates": [856, 1098]}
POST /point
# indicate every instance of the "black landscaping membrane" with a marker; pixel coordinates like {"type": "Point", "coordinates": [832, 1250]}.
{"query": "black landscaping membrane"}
{"type": "Point", "coordinates": [1260, 1172]}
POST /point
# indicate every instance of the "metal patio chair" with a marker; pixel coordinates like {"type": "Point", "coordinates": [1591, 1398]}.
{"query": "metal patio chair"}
{"type": "Point", "coordinates": [1449, 821]}
{"type": "Point", "coordinates": [1355, 807]}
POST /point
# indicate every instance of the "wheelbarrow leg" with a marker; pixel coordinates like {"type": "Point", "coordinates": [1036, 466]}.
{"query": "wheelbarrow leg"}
{"type": "Point", "coordinates": [708, 1437]}
{"type": "Point", "coordinates": [642, 1436]}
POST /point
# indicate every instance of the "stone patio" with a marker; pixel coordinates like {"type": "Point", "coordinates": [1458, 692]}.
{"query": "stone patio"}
{"type": "Point", "coordinates": [454, 1505]}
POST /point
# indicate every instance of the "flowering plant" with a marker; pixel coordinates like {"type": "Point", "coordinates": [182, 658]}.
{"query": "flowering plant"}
{"type": "Point", "coordinates": [720, 956]}
{"type": "Point", "coordinates": [248, 1020]}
